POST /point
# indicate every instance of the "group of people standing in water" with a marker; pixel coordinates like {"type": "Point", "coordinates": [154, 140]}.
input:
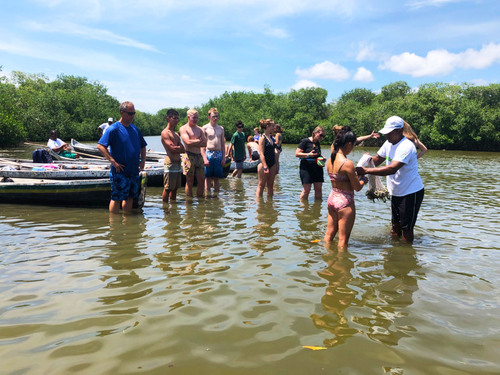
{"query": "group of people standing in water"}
{"type": "Point", "coordinates": [403, 180]}
{"type": "Point", "coordinates": [200, 153]}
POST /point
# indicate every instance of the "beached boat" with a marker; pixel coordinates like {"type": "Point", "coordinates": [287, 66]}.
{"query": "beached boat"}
{"type": "Point", "coordinates": [93, 150]}
{"type": "Point", "coordinates": [248, 166]}
{"type": "Point", "coordinates": [70, 171]}
{"type": "Point", "coordinates": [81, 193]}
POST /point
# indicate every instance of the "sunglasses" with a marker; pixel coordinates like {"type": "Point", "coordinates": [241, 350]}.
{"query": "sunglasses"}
{"type": "Point", "coordinates": [129, 113]}
{"type": "Point", "coordinates": [321, 135]}
{"type": "Point", "coordinates": [239, 127]}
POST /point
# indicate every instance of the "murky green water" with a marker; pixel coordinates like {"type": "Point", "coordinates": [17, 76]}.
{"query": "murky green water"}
{"type": "Point", "coordinates": [238, 286]}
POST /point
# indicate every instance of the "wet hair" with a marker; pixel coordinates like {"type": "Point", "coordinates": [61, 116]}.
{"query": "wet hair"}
{"type": "Point", "coordinates": [52, 132]}
{"type": "Point", "coordinates": [343, 137]}
{"type": "Point", "coordinates": [172, 113]}
{"type": "Point", "coordinates": [250, 138]}
{"type": "Point", "coordinates": [264, 123]}
{"type": "Point", "coordinates": [277, 128]}
{"type": "Point", "coordinates": [239, 123]}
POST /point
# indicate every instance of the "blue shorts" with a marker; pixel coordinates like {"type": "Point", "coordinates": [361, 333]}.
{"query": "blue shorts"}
{"type": "Point", "coordinates": [124, 187]}
{"type": "Point", "coordinates": [214, 168]}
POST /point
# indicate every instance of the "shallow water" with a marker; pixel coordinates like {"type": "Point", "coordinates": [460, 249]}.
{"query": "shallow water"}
{"type": "Point", "coordinates": [235, 285]}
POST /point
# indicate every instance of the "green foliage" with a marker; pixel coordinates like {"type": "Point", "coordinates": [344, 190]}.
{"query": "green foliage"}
{"type": "Point", "coordinates": [445, 116]}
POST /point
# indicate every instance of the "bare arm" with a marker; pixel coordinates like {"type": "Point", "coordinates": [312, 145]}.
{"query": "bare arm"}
{"type": "Point", "coordinates": [356, 183]}
{"type": "Point", "coordinates": [119, 167]}
{"type": "Point", "coordinates": [365, 137]}
{"type": "Point", "coordinates": [261, 155]}
{"type": "Point", "coordinates": [421, 147]}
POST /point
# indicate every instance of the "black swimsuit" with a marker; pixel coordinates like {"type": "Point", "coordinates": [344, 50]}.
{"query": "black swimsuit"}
{"type": "Point", "coordinates": [269, 153]}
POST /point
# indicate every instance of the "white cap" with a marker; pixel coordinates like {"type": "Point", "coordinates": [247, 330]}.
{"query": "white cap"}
{"type": "Point", "coordinates": [392, 123]}
{"type": "Point", "coordinates": [110, 119]}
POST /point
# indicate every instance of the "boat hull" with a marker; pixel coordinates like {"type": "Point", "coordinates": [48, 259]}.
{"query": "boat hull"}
{"type": "Point", "coordinates": [79, 193]}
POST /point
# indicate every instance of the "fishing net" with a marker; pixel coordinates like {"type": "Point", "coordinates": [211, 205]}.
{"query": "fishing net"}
{"type": "Point", "coordinates": [376, 189]}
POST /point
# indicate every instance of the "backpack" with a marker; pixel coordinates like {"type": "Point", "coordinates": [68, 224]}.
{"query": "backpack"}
{"type": "Point", "coordinates": [42, 156]}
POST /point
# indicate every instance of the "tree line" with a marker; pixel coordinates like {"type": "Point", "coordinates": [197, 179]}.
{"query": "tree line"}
{"type": "Point", "coordinates": [445, 116]}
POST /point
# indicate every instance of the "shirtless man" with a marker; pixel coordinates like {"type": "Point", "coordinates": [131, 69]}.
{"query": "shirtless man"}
{"type": "Point", "coordinates": [215, 151]}
{"type": "Point", "coordinates": [194, 139]}
{"type": "Point", "coordinates": [172, 164]}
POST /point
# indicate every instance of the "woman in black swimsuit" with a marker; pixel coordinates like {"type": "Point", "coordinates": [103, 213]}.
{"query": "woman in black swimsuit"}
{"type": "Point", "coordinates": [311, 174]}
{"type": "Point", "coordinates": [267, 167]}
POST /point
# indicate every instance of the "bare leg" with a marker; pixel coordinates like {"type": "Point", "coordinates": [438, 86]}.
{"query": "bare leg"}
{"type": "Point", "coordinates": [114, 206]}
{"type": "Point", "coordinates": [127, 205]}
{"type": "Point", "coordinates": [332, 225]}
{"type": "Point", "coordinates": [318, 191]}
{"type": "Point", "coordinates": [216, 186]}
{"type": "Point", "coordinates": [189, 185]}
{"type": "Point", "coordinates": [262, 181]}
{"type": "Point", "coordinates": [306, 189]}
{"type": "Point", "coordinates": [200, 177]}
{"type": "Point", "coordinates": [346, 222]}
{"type": "Point", "coordinates": [165, 195]}
{"type": "Point", "coordinates": [270, 180]}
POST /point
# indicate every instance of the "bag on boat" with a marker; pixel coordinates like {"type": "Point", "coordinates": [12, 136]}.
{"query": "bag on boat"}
{"type": "Point", "coordinates": [376, 189]}
{"type": "Point", "coordinates": [41, 155]}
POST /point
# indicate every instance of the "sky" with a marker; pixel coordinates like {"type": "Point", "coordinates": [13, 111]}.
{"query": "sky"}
{"type": "Point", "coordinates": [182, 53]}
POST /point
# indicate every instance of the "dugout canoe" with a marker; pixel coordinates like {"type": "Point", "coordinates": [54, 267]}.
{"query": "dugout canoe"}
{"type": "Point", "coordinates": [248, 166]}
{"type": "Point", "coordinates": [70, 171]}
{"type": "Point", "coordinates": [78, 193]}
{"type": "Point", "coordinates": [93, 150]}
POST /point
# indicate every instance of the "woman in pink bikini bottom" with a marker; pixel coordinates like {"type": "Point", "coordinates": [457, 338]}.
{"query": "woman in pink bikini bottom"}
{"type": "Point", "coordinates": [341, 209]}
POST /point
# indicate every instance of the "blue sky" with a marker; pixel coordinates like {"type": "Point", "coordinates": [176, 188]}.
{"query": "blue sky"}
{"type": "Point", "coordinates": [169, 53]}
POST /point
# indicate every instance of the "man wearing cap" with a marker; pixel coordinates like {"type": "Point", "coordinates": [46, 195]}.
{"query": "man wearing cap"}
{"type": "Point", "coordinates": [104, 126]}
{"type": "Point", "coordinates": [403, 181]}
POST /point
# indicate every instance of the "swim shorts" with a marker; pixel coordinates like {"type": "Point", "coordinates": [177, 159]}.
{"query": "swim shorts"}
{"type": "Point", "coordinates": [172, 174]}
{"type": "Point", "coordinates": [214, 168]}
{"type": "Point", "coordinates": [405, 209]}
{"type": "Point", "coordinates": [124, 187]}
{"type": "Point", "coordinates": [192, 164]}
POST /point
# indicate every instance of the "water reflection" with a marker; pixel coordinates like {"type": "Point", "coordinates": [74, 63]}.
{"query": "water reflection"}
{"type": "Point", "coordinates": [124, 261]}
{"type": "Point", "coordinates": [386, 290]}
{"type": "Point", "coordinates": [265, 230]}
{"type": "Point", "coordinates": [339, 296]}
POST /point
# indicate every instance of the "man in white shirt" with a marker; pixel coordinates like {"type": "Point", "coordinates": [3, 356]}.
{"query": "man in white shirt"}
{"type": "Point", "coordinates": [59, 146]}
{"type": "Point", "coordinates": [104, 126]}
{"type": "Point", "coordinates": [403, 181]}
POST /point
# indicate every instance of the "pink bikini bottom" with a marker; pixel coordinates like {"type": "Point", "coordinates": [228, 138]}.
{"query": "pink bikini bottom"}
{"type": "Point", "coordinates": [340, 199]}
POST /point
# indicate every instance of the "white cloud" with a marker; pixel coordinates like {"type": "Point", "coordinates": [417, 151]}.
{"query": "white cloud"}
{"type": "Point", "coordinates": [90, 33]}
{"type": "Point", "coordinates": [324, 70]}
{"type": "Point", "coordinates": [276, 33]}
{"type": "Point", "coordinates": [363, 75]}
{"type": "Point", "coordinates": [442, 62]}
{"type": "Point", "coordinates": [417, 4]}
{"type": "Point", "coordinates": [366, 52]}
{"type": "Point", "coordinates": [304, 84]}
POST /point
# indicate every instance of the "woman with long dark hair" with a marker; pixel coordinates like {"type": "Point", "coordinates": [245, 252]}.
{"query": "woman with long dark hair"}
{"type": "Point", "coordinates": [341, 209]}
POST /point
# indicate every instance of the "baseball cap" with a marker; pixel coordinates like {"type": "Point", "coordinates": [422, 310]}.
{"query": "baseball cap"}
{"type": "Point", "coordinates": [110, 119]}
{"type": "Point", "coordinates": [392, 123]}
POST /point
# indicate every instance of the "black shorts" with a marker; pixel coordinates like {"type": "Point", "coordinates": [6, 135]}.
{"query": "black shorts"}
{"type": "Point", "coordinates": [310, 172]}
{"type": "Point", "coordinates": [405, 209]}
